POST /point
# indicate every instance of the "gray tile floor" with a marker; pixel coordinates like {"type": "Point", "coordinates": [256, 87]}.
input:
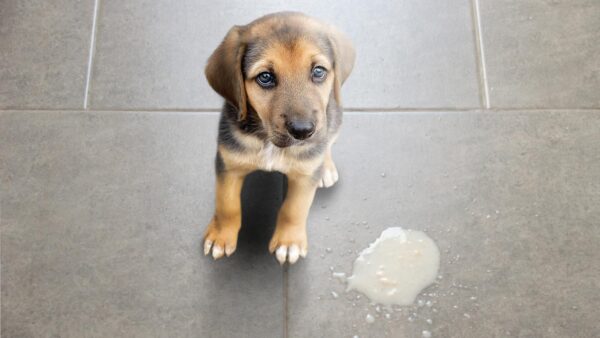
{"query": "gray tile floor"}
{"type": "Point", "coordinates": [484, 116]}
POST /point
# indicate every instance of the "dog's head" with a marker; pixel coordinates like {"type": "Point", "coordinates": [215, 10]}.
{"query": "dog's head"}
{"type": "Point", "coordinates": [286, 67]}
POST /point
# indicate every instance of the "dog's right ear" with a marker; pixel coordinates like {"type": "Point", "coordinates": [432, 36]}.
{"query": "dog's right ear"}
{"type": "Point", "coordinates": [344, 56]}
{"type": "Point", "coordinates": [224, 70]}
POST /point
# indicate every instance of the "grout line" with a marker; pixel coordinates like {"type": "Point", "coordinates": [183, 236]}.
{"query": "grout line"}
{"type": "Point", "coordinates": [285, 300]}
{"type": "Point", "coordinates": [285, 271]}
{"type": "Point", "coordinates": [115, 110]}
{"type": "Point", "coordinates": [1, 226]}
{"type": "Point", "coordinates": [398, 109]}
{"type": "Point", "coordinates": [88, 77]}
{"type": "Point", "coordinates": [285, 276]}
{"type": "Point", "coordinates": [469, 111]}
{"type": "Point", "coordinates": [352, 111]}
{"type": "Point", "coordinates": [483, 80]}
{"type": "Point", "coordinates": [477, 54]}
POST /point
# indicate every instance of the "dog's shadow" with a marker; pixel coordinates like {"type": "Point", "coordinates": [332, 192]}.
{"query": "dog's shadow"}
{"type": "Point", "coordinates": [262, 196]}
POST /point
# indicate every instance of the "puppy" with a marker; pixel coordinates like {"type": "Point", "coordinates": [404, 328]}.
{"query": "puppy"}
{"type": "Point", "coordinates": [280, 77]}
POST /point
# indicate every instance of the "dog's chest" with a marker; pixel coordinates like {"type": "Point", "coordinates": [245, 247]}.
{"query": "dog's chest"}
{"type": "Point", "coordinates": [272, 158]}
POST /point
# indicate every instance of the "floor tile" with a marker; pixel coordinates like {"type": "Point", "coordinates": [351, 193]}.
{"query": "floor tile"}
{"type": "Point", "coordinates": [102, 218]}
{"type": "Point", "coordinates": [511, 200]}
{"type": "Point", "coordinates": [542, 53]}
{"type": "Point", "coordinates": [44, 54]}
{"type": "Point", "coordinates": [152, 55]}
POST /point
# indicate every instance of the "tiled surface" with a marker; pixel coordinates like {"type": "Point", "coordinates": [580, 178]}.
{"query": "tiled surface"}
{"type": "Point", "coordinates": [152, 55]}
{"type": "Point", "coordinates": [101, 225]}
{"type": "Point", "coordinates": [542, 53]}
{"type": "Point", "coordinates": [44, 48]}
{"type": "Point", "coordinates": [511, 199]}
{"type": "Point", "coordinates": [102, 216]}
{"type": "Point", "coordinates": [102, 212]}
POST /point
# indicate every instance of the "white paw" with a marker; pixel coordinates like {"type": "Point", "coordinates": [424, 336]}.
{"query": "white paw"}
{"type": "Point", "coordinates": [217, 250]}
{"type": "Point", "coordinates": [291, 254]}
{"type": "Point", "coordinates": [329, 177]}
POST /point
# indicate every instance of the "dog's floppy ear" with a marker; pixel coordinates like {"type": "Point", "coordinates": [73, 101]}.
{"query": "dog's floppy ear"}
{"type": "Point", "coordinates": [344, 55]}
{"type": "Point", "coordinates": [224, 70]}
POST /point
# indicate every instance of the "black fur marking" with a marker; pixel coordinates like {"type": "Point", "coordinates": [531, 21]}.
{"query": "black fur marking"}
{"type": "Point", "coordinates": [229, 122]}
{"type": "Point", "coordinates": [252, 124]}
{"type": "Point", "coordinates": [219, 164]}
{"type": "Point", "coordinates": [254, 52]}
{"type": "Point", "coordinates": [226, 137]}
{"type": "Point", "coordinates": [287, 35]}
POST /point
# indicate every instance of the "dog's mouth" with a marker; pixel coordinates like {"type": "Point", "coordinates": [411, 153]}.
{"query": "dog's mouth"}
{"type": "Point", "coordinates": [282, 141]}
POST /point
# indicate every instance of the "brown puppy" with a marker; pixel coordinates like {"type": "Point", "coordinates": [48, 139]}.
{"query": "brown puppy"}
{"type": "Point", "coordinates": [280, 76]}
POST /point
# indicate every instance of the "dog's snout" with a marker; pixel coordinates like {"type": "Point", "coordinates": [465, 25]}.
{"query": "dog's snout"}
{"type": "Point", "coordinates": [300, 129]}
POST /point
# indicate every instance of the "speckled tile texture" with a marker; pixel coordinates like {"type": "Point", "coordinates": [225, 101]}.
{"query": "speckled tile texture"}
{"type": "Point", "coordinates": [476, 121]}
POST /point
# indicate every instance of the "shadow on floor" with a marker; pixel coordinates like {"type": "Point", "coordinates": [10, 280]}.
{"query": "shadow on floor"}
{"type": "Point", "coordinates": [262, 196]}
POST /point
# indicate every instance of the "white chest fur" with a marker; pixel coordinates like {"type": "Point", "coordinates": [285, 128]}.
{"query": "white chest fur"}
{"type": "Point", "coordinates": [273, 158]}
{"type": "Point", "coordinates": [268, 157]}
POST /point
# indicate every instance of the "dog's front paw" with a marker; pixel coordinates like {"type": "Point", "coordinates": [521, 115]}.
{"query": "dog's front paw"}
{"type": "Point", "coordinates": [288, 243]}
{"type": "Point", "coordinates": [329, 176]}
{"type": "Point", "coordinates": [221, 239]}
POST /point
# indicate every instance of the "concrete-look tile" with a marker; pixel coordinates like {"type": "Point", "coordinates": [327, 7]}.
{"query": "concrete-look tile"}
{"type": "Point", "coordinates": [152, 54]}
{"type": "Point", "coordinates": [102, 218]}
{"type": "Point", "coordinates": [542, 53]}
{"type": "Point", "coordinates": [511, 199]}
{"type": "Point", "coordinates": [44, 53]}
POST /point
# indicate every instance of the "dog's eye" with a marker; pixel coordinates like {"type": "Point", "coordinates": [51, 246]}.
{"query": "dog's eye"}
{"type": "Point", "coordinates": [266, 80]}
{"type": "Point", "coordinates": [318, 74]}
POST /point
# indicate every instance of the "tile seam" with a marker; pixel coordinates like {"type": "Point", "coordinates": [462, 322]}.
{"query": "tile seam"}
{"type": "Point", "coordinates": [483, 80]}
{"type": "Point", "coordinates": [349, 111]}
{"type": "Point", "coordinates": [92, 50]}
{"type": "Point", "coordinates": [285, 301]}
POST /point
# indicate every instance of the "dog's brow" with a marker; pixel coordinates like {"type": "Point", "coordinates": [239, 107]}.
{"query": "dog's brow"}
{"type": "Point", "coordinates": [323, 42]}
{"type": "Point", "coordinates": [321, 59]}
{"type": "Point", "coordinates": [261, 64]}
{"type": "Point", "coordinates": [254, 51]}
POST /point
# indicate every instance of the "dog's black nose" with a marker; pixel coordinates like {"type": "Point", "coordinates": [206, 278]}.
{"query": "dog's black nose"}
{"type": "Point", "coordinates": [300, 130]}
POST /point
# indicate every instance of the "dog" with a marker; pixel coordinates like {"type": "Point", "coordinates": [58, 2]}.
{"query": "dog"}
{"type": "Point", "coordinates": [281, 77]}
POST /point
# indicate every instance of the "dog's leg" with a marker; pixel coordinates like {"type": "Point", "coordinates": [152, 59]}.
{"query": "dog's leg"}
{"type": "Point", "coordinates": [330, 173]}
{"type": "Point", "coordinates": [289, 240]}
{"type": "Point", "coordinates": [222, 232]}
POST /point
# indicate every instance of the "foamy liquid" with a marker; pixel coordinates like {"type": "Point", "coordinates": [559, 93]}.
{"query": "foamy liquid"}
{"type": "Point", "coordinates": [395, 268]}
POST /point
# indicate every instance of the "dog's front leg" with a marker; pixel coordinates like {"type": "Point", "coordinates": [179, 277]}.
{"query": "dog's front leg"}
{"type": "Point", "coordinates": [222, 232]}
{"type": "Point", "coordinates": [289, 240]}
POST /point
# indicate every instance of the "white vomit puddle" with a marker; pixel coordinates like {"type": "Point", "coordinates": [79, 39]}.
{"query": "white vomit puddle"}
{"type": "Point", "coordinates": [395, 268]}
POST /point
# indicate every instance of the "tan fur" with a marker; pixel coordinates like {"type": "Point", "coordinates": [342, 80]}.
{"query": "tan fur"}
{"type": "Point", "coordinates": [292, 67]}
{"type": "Point", "coordinates": [291, 221]}
{"type": "Point", "coordinates": [297, 94]}
{"type": "Point", "coordinates": [224, 228]}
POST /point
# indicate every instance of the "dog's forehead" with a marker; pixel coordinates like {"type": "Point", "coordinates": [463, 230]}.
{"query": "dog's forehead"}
{"type": "Point", "coordinates": [287, 37]}
{"type": "Point", "coordinates": [282, 24]}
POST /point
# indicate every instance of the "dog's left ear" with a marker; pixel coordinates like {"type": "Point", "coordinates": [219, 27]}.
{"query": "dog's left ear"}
{"type": "Point", "coordinates": [344, 56]}
{"type": "Point", "coordinates": [224, 70]}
